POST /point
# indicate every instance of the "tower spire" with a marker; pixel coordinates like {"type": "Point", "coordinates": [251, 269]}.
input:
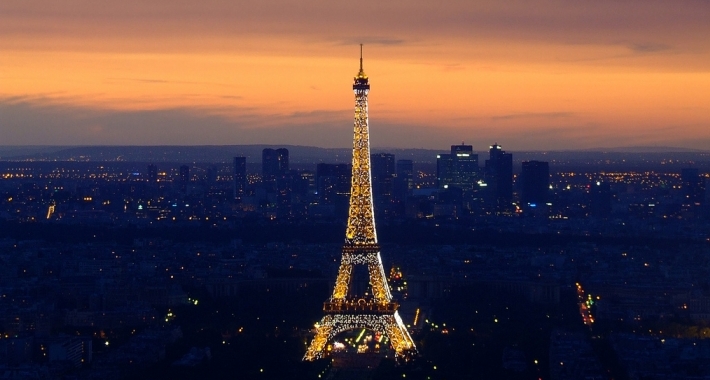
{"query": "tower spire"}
{"type": "Point", "coordinates": [360, 57]}
{"type": "Point", "coordinates": [361, 74]}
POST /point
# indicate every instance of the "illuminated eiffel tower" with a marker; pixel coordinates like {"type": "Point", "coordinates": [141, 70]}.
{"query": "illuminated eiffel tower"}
{"type": "Point", "coordinates": [377, 312]}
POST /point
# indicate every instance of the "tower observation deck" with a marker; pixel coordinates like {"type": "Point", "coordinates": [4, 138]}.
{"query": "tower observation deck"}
{"type": "Point", "coordinates": [376, 311]}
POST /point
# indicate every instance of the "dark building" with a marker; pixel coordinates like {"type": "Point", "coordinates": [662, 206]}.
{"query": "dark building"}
{"type": "Point", "coordinates": [404, 181]}
{"type": "Point", "coordinates": [276, 178]}
{"type": "Point", "coordinates": [152, 173]}
{"type": "Point", "coordinates": [457, 169]}
{"type": "Point", "coordinates": [274, 163]}
{"type": "Point", "coordinates": [693, 187]}
{"type": "Point", "coordinates": [240, 177]}
{"type": "Point", "coordinates": [284, 190]}
{"type": "Point", "coordinates": [333, 182]}
{"type": "Point", "coordinates": [383, 174]}
{"type": "Point", "coordinates": [499, 174]}
{"type": "Point", "coordinates": [535, 182]}
{"type": "Point", "coordinates": [304, 183]}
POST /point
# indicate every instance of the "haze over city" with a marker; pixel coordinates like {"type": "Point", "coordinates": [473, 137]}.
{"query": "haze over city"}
{"type": "Point", "coordinates": [534, 76]}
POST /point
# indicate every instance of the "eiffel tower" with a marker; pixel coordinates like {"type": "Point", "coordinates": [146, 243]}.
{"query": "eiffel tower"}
{"type": "Point", "coordinates": [377, 312]}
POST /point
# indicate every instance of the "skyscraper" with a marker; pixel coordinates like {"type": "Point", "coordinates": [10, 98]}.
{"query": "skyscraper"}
{"type": "Point", "coordinates": [333, 183]}
{"type": "Point", "coordinates": [457, 169]}
{"type": "Point", "coordinates": [499, 174]}
{"type": "Point", "coordinates": [240, 177]}
{"type": "Point", "coordinates": [383, 173]}
{"type": "Point", "coordinates": [274, 163]}
{"type": "Point", "coordinates": [535, 182]}
{"type": "Point", "coordinates": [276, 178]}
{"type": "Point", "coordinates": [404, 181]}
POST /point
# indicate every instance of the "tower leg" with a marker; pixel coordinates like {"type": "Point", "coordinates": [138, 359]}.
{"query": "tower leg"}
{"type": "Point", "coordinates": [342, 283]}
{"type": "Point", "coordinates": [401, 340]}
{"type": "Point", "coordinates": [380, 288]}
{"type": "Point", "coordinates": [317, 346]}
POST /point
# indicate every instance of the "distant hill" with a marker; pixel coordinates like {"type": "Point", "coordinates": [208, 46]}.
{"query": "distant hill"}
{"type": "Point", "coordinates": [669, 158]}
{"type": "Point", "coordinates": [646, 149]}
{"type": "Point", "coordinates": [206, 153]}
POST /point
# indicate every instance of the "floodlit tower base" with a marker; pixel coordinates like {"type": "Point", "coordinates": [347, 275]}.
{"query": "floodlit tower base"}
{"type": "Point", "coordinates": [389, 324]}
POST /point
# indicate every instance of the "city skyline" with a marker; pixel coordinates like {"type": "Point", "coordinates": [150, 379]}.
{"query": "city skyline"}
{"type": "Point", "coordinates": [532, 77]}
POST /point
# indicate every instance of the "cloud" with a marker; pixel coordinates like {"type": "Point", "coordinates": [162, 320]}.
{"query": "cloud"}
{"type": "Point", "coordinates": [533, 115]}
{"type": "Point", "coordinates": [649, 47]}
{"type": "Point", "coordinates": [457, 27]}
{"type": "Point", "coordinates": [42, 121]}
{"type": "Point", "coordinates": [371, 41]}
{"type": "Point", "coordinates": [164, 81]}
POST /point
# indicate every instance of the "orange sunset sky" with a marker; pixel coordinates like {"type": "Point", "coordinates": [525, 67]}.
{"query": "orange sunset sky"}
{"type": "Point", "coordinates": [530, 75]}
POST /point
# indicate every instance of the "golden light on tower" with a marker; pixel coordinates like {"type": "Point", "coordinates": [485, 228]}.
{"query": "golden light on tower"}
{"type": "Point", "coordinates": [378, 311]}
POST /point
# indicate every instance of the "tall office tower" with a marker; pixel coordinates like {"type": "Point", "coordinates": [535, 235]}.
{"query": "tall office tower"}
{"type": "Point", "coordinates": [693, 187]}
{"type": "Point", "coordinates": [382, 178]}
{"type": "Point", "coordinates": [459, 168]}
{"type": "Point", "coordinates": [499, 174]}
{"type": "Point", "coordinates": [274, 163]}
{"type": "Point", "coordinates": [333, 183]}
{"type": "Point", "coordinates": [284, 190]}
{"type": "Point", "coordinates": [184, 177]}
{"type": "Point", "coordinates": [276, 178]}
{"type": "Point", "coordinates": [152, 173]}
{"type": "Point", "coordinates": [444, 170]}
{"type": "Point", "coordinates": [375, 310]}
{"type": "Point", "coordinates": [404, 181]}
{"type": "Point", "coordinates": [304, 183]}
{"type": "Point", "coordinates": [240, 177]}
{"type": "Point", "coordinates": [535, 180]}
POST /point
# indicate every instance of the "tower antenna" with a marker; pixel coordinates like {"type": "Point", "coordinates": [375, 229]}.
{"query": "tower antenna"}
{"type": "Point", "coordinates": [360, 57]}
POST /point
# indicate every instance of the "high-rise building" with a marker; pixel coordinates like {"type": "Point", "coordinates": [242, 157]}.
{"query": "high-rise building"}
{"type": "Point", "coordinates": [333, 183]}
{"type": "Point", "coordinates": [284, 190]}
{"type": "Point", "coordinates": [304, 183]}
{"type": "Point", "coordinates": [274, 163]}
{"type": "Point", "coordinates": [535, 182]}
{"type": "Point", "coordinates": [499, 174]}
{"type": "Point", "coordinates": [444, 170]}
{"type": "Point", "coordinates": [457, 169]}
{"type": "Point", "coordinates": [383, 173]}
{"type": "Point", "coordinates": [404, 181]}
{"type": "Point", "coordinates": [276, 178]}
{"type": "Point", "coordinates": [240, 177]}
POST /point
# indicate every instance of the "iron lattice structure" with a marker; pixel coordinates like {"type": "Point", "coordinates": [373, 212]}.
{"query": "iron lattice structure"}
{"type": "Point", "coordinates": [376, 311]}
